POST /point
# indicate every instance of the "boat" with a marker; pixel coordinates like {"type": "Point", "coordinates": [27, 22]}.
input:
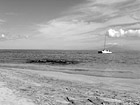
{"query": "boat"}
{"type": "Point", "coordinates": [105, 51]}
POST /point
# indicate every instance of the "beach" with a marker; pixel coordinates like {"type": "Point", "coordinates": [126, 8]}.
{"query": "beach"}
{"type": "Point", "coordinates": [26, 86]}
{"type": "Point", "coordinates": [42, 77]}
{"type": "Point", "coordinates": [69, 52]}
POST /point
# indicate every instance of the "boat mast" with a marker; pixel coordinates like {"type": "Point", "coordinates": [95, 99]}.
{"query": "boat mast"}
{"type": "Point", "coordinates": [105, 42]}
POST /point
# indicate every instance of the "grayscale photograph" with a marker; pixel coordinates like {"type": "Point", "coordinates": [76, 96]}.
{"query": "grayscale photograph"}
{"type": "Point", "coordinates": [69, 52]}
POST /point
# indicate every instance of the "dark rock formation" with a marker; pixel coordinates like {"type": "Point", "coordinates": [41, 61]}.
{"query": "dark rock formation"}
{"type": "Point", "coordinates": [54, 61]}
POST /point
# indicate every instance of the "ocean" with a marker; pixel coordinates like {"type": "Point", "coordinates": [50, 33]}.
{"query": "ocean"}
{"type": "Point", "coordinates": [124, 64]}
{"type": "Point", "coordinates": [83, 56]}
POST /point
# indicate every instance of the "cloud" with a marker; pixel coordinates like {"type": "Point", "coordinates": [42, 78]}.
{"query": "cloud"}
{"type": "Point", "coordinates": [107, 1]}
{"type": "Point", "coordinates": [107, 13]}
{"type": "Point", "coordinates": [11, 14]}
{"type": "Point", "coordinates": [123, 33]}
{"type": "Point", "coordinates": [103, 10]}
{"type": "Point", "coordinates": [88, 22]}
{"type": "Point", "coordinates": [4, 36]}
{"type": "Point", "coordinates": [2, 21]}
{"type": "Point", "coordinates": [112, 44]}
{"type": "Point", "coordinates": [67, 30]}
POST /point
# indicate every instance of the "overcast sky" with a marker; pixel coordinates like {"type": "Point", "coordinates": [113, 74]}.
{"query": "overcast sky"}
{"type": "Point", "coordinates": [68, 24]}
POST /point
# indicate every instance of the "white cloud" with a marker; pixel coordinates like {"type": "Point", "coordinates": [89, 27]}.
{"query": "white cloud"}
{"type": "Point", "coordinates": [95, 14]}
{"type": "Point", "coordinates": [104, 10]}
{"type": "Point", "coordinates": [107, 1]}
{"type": "Point", "coordinates": [3, 35]}
{"type": "Point", "coordinates": [112, 44]}
{"type": "Point", "coordinates": [123, 33]}
{"type": "Point", "coordinates": [2, 21]}
{"type": "Point", "coordinates": [91, 20]}
{"type": "Point", "coordinates": [67, 30]}
{"type": "Point", "coordinates": [9, 36]}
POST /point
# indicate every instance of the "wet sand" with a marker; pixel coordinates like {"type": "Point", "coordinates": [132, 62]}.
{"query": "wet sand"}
{"type": "Point", "coordinates": [25, 86]}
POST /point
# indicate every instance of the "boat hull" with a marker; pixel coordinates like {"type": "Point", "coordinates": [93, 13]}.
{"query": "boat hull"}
{"type": "Point", "coordinates": [104, 52]}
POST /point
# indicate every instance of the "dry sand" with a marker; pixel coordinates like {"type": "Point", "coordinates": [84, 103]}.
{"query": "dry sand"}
{"type": "Point", "coordinates": [7, 97]}
{"type": "Point", "coordinates": [32, 87]}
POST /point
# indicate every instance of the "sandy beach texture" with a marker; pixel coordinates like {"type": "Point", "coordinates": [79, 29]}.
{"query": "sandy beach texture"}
{"type": "Point", "coordinates": [22, 86]}
{"type": "Point", "coordinates": [7, 97]}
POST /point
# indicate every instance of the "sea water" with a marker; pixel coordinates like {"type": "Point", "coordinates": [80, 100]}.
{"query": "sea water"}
{"type": "Point", "coordinates": [117, 64]}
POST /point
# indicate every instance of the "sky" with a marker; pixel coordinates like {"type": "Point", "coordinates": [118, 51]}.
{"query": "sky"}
{"type": "Point", "coordinates": [69, 24]}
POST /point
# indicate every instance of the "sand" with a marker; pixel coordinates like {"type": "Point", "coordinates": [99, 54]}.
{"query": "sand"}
{"type": "Point", "coordinates": [7, 97]}
{"type": "Point", "coordinates": [34, 87]}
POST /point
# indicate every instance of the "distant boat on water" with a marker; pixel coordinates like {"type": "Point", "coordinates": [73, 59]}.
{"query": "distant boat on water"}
{"type": "Point", "coordinates": [105, 51]}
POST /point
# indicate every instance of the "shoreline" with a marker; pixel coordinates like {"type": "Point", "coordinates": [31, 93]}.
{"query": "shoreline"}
{"type": "Point", "coordinates": [51, 87]}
